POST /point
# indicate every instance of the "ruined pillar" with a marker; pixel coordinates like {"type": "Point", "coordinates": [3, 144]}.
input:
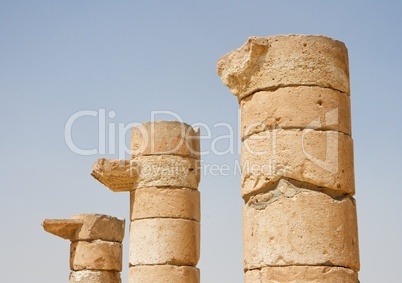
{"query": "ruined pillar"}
{"type": "Point", "coordinates": [162, 178]}
{"type": "Point", "coordinates": [299, 217]}
{"type": "Point", "coordinates": [95, 249]}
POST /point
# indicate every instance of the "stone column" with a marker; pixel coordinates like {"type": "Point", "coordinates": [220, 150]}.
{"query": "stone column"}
{"type": "Point", "coordinates": [299, 217]}
{"type": "Point", "coordinates": [95, 250]}
{"type": "Point", "coordinates": [162, 178]}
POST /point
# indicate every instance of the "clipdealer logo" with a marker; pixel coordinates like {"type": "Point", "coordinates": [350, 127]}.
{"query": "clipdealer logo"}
{"type": "Point", "coordinates": [111, 139]}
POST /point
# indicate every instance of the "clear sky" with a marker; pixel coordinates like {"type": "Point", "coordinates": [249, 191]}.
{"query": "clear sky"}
{"type": "Point", "coordinates": [130, 58]}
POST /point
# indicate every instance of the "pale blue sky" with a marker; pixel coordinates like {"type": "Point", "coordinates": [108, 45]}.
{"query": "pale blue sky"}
{"type": "Point", "coordinates": [134, 57]}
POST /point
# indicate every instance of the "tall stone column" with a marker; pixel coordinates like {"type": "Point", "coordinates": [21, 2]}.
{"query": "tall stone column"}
{"type": "Point", "coordinates": [162, 178]}
{"type": "Point", "coordinates": [299, 217]}
{"type": "Point", "coordinates": [95, 250]}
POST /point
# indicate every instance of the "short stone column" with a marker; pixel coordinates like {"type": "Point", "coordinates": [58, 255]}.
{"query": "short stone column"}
{"type": "Point", "coordinates": [299, 217]}
{"type": "Point", "coordinates": [95, 250]}
{"type": "Point", "coordinates": [162, 178]}
{"type": "Point", "coordinates": [165, 206]}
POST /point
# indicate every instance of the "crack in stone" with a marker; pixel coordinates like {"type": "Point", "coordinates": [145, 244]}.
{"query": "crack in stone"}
{"type": "Point", "coordinates": [165, 217]}
{"type": "Point", "coordinates": [165, 154]}
{"type": "Point", "coordinates": [273, 88]}
{"type": "Point", "coordinates": [283, 189]}
{"type": "Point", "coordinates": [325, 264]}
{"type": "Point", "coordinates": [246, 137]}
{"type": "Point", "coordinates": [288, 188]}
{"type": "Point", "coordinates": [159, 264]}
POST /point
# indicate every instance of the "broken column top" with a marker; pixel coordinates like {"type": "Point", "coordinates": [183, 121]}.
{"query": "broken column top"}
{"type": "Point", "coordinates": [165, 138]}
{"type": "Point", "coordinates": [266, 63]}
{"type": "Point", "coordinates": [115, 174]}
{"type": "Point", "coordinates": [159, 140]}
{"type": "Point", "coordinates": [87, 227]}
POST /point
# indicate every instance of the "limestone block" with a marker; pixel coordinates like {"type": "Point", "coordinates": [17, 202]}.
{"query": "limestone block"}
{"type": "Point", "coordinates": [300, 228]}
{"type": "Point", "coordinates": [90, 276]}
{"type": "Point", "coordinates": [285, 60]}
{"type": "Point", "coordinates": [165, 202]}
{"type": "Point", "coordinates": [114, 174]}
{"type": "Point", "coordinates": [295, 107]}
{"type": "Point", "coordinates": [166, 171]}
{"type": "Point", "coordinates": [165, 137]}
{"type": "Point", "coordinates": [64, 228]}
{"type": "Point", "coordinates": [163, 274]}
{"type": "Point", "coordinates": [164, 241]}
{"type": "Point", "coordinates": [87, 227]}
{"type": "Point", "coordinates": [321, 158]}
{"type": "Point", "coordinates": [99, 227]}
{"type": "Point", "coordinates": [96, 255]}
{"type": "Point", "coordinates": [301, 274]}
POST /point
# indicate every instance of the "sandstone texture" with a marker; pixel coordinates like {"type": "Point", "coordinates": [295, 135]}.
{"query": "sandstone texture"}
{"type": "Point", "coordinates": [295, 108]}
{"type": "Point", "coordinates": [164, 241]}
{"type": "Point", "coordinates": [301, 274]}
{"type": "Point", "coordinates": [100, 227]}
{"type": "Point", "coordinates": [155, 202]}
{"type": "Point", "coordinates": [95, 249]}
{"type": "Point", "coordinates": [166, 171]}
{"type": "Point", "coordinates": [299, 220]}
{"type": "Point", "coordinates": [64, 228]}
{"type": "Point", "coordinates": [165, 138]}
{"type": "Point", "coordinates": [89, 276]}
{"type": "Point", "coordinates": [96, 255]}
{"type": "Point", "coordinates": [87, 227]}
{"type": "Point", "coordinates": [114, 174]}
{"type": "Point", "coordinates": [294, 226]}
{"type": "Point", "coordinates": [264, 63]}
{"type": "Point", "coordinates": [163, 274]}
{"type": "Point", "coordinates": [321, 158]}
{"type": "Point", "coordinates": [162, 177]}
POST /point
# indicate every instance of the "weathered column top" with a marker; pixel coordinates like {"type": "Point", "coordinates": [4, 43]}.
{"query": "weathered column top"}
{"type": "Point", "coordinates": [115, 174]}
{"type": "Point", "coordinates": [87, 227]}
{"type": "Point", "coordinates": [165, 138]}
{"type": "Point", "coordinates": [153, 140]}
{"type": "Point", "coordinates": [266, 63]}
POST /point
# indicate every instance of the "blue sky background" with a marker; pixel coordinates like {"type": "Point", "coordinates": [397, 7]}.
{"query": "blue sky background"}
{"type": "Point", "coordinates": [134, 57]}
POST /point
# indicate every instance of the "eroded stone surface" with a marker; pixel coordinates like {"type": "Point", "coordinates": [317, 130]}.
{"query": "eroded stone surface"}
{"type": "Point", "coordinates": [321, 158]}
{"type": "Point", "coordinates": [163, 274]}
{"type": "Point", "coordinates": [301, 274]}
{"type": "Point", "coordinates": [285, 60]}
{"type": "Point", "coordinates": [99, 227]}
{"type": "Point", "coordinates": [114, 174]}
{"type": "Point", "coordinates": [166, 171]}
{"type": "Point", "coordinates": [295, 107]}
{"type": "Point", "coordinates": [64, 228]}
{"type": "Point", "coordinates": [90, 276]}
{"type": "Point", "coordinates": [165, 202]}
{"type": "Point", "coordinates": [300, 228]}
{"type": "Point", "coordinates": [164, 241]}
{"type": "Point", "coordinates": [166, 138]}
{"type": "Point", "coordinates": [96, 255]}
{"type": "Point", "coordinates": [87, 227]}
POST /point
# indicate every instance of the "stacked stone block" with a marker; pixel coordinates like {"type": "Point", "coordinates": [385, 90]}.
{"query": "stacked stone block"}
{"type": "Point", "coordinates": [162, 178]}
{"type": "Point", "coordinates": [165, 206]}
{"type": "Point", "coordinates": [299, 217]}
{"type": "Point", "coordinates": [95, 249]}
